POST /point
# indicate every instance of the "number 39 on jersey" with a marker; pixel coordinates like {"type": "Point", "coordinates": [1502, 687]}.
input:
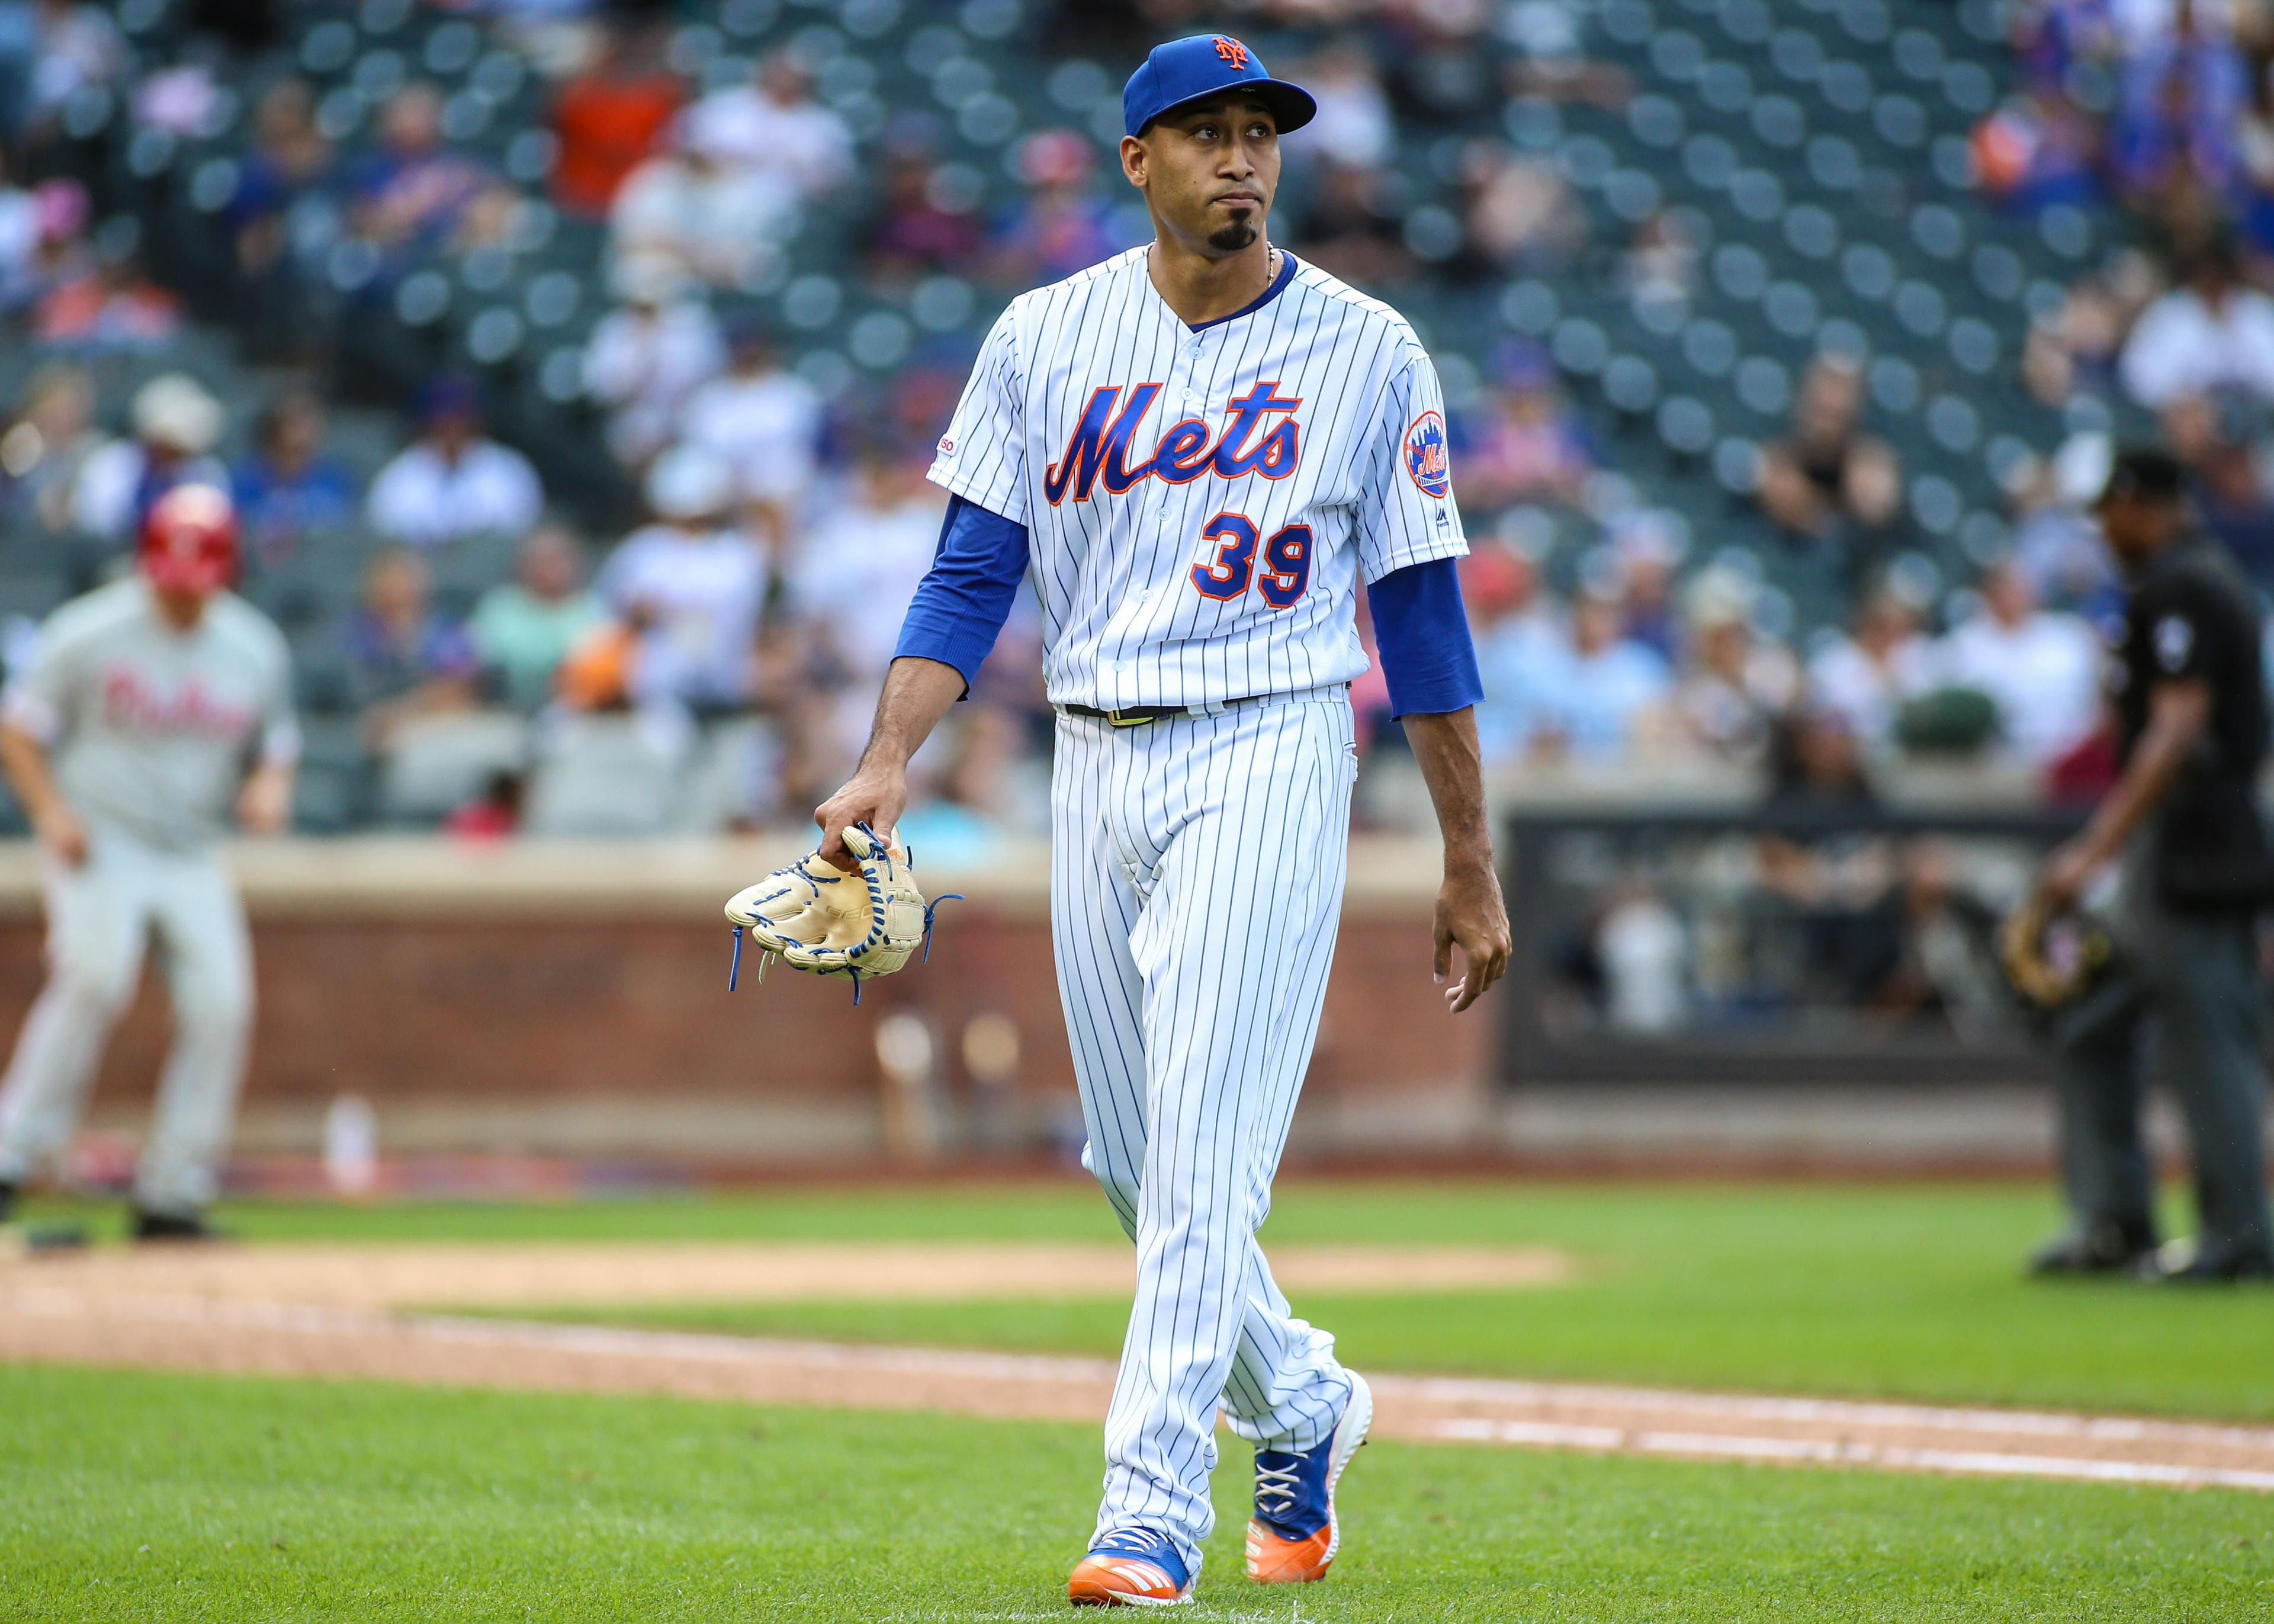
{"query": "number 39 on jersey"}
{"type": "Point", "coordinates": [1201, 502]}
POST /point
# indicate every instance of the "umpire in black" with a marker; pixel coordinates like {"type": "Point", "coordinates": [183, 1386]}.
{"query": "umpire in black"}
{"type": "Point", "coordinates": [2183, 822]}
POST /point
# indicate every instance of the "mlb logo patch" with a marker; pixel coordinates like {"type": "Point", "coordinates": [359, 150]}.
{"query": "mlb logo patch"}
{"type": "Point", "coordinates": [1426, 461]}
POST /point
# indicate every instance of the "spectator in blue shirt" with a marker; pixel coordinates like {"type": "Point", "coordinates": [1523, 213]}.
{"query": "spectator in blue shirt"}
{"type": "Point", "coordinates": [288, 487]}
{"type": "Point", "coordinates": [1523, 653]}
{"type": "Point", "coordinates": [404, 660]}
{"type": "Point", "coordinates": [291, 159]}
{"type": "Point", "coordinates": [1616, 690]}
{"type": "Point", "coordinates": [1062, 225]}
{"type": "Point", "coordinates": [418, 190]}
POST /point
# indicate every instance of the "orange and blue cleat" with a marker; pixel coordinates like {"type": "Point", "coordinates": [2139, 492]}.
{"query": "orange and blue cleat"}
{"type": "Point", "coordinates": [1131, 1567]}
{"type": "Point", "coordinates": [1292, 1537]}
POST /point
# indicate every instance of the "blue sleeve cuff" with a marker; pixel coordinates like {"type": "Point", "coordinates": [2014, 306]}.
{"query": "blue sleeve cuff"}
{"type": "Point", "coordinates": [1422, 632]}
{"type": "Point", "coordinates": [960, 608]}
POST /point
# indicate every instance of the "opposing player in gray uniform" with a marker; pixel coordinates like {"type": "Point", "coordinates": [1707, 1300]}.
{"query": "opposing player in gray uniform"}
{"type": "Point", "coordinates": [155, 711]}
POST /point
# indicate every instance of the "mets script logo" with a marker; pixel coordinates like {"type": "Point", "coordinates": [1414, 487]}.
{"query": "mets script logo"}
{"type": "Point", "coordinates": [1097, 451]}
{"type": "Point", "coordinates": [1424, 455]}
{"type": "Point", "coordinates": [1232, 51]}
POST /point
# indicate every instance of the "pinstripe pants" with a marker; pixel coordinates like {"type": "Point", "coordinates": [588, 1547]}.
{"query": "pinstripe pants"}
{"type": "Point", "coordinates": [1196, 885]}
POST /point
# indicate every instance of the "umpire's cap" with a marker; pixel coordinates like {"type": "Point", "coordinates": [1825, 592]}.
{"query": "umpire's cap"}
{"type": "Point", "coordinates": [1207, 65]}
{"type": "Point", "coordinates": [2143, 473]}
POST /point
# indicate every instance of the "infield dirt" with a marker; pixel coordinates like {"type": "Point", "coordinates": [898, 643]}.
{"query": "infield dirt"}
{"type": "Point", "coordinates": [488, 1274]}
{"type": "Point", "coordinates": [343, 1312]}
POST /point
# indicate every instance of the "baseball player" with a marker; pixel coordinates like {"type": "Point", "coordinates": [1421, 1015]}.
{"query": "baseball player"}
{"type": "Point", "coordinates": [1194, 451]}
{"type": "Point", "coordinates": [129, 741]}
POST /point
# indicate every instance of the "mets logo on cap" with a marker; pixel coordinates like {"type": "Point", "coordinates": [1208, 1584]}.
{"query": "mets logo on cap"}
{"type": "Point", "coordinates": [1424, 455]}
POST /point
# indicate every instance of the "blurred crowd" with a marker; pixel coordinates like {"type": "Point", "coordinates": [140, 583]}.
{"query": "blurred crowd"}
{"type": "Point", "coordinates": [779, 518]}
{"type": "Point", "coordinates": [2165, 107]}
{"type": "Point", "coordinates": [1626, 664]}
{"type": "Point", "coordinates": [737, 596]}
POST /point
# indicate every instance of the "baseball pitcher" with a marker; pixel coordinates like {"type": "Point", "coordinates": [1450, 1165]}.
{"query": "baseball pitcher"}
{"type": "Point", "coordinates": [1195, 451]}
{"type": "Point", "coordinates": [155, 707]}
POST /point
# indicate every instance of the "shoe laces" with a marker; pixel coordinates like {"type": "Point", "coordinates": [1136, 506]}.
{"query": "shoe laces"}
{"type": "Point", "coordinates": [1136, 1542]}
{"type": "Point", "coordinates": [1282, 1484]}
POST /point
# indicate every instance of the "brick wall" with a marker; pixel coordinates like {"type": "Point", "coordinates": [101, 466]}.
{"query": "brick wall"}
{"type": "Point", "coordinates": [477, 1010]}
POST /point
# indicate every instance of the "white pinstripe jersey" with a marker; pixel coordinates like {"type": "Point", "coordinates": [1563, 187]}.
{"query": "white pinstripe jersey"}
{"type": "Point", "coordinates": [1198, 502]}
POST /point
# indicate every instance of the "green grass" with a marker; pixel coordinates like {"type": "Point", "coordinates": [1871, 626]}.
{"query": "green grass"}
{"type": "Point", "coordinates": [1891, 1292]}
{"type": "Point", "coordinates": [1032, 1210]}
{"type": "Point", "coordinates": [139, 1497]}
{"type": "Point", "coordinates": [1884, 1290]}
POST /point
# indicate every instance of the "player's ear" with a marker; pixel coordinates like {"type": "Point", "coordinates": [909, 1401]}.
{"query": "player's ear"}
{"type": "Point", "coordinates": [1135, 157]}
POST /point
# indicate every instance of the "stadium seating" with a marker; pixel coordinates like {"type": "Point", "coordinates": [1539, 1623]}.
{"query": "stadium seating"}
{"type": "Point", "coordinates": [437, 763]}
{"type": "Point", "coordinates": [1814, 151]}
{"type": "Point", "coordinates": [605, 775]}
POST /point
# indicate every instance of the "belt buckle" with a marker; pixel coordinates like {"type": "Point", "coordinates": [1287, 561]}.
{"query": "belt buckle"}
{"type": "Point", "coordinates": [1123, 719]}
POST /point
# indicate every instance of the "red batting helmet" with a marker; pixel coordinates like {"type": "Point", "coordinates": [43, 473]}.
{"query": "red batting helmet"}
{"type": "Point", "coordinates": [189, 540]}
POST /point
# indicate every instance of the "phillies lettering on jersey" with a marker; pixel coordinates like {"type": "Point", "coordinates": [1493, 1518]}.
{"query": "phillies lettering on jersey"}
{"type": "Point", "coordinates": [1201, 503]}
{"type": "Point", "coordinates": [130, 701]}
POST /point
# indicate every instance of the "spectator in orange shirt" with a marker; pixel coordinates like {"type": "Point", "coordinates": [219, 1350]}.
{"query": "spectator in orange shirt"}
{"type": "Point", "coordinates": [611, 116]}
{"type": "Point", "coordinates": [113, 307]}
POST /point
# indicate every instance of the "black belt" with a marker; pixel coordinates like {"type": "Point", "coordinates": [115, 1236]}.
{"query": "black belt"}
{"type": "Point", "coordinates": [1138, 716]}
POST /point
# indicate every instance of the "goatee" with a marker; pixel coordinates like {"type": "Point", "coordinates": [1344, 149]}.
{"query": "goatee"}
{"type": "Point", "coordinates": [1238, 235]}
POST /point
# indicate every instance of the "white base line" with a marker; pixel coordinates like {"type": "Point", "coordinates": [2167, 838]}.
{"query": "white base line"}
{"type": "Point", "coordinates": [1837, 1412]}
{"type": "Point", "coordinates": [1046, 1370]}
{"type": "Point", "coordinates": [1722, 1445]}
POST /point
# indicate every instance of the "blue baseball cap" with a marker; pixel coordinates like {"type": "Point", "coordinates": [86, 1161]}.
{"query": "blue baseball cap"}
{"type": "Point", "coordinates": [1209, 65]}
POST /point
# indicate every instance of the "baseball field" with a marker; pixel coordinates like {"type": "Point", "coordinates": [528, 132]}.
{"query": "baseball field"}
{"type": "Point", "coordinates": [414, 1410]}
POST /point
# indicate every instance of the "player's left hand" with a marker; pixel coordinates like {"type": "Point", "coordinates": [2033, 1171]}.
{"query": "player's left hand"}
{"type": "Point", "coordinates": [264, 805]}
{"type": "Point", "coordinates": [1472, 916]}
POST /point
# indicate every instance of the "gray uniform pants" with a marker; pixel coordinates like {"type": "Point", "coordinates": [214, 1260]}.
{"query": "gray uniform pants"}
{"type": "Point", "coordinates": [2190, 985]}
{"type": "Point", "coordinates": [99, 916]}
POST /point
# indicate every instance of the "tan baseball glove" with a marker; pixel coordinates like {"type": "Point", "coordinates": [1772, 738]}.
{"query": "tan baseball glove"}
{"type": "Point", "coordinates": [2051, 959]}
{"type": "Point", "coordinates": [814, 916]}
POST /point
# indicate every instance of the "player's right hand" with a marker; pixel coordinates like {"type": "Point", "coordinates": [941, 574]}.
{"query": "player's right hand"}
{"type": "Point", "coordinates": [63, 837]}
{"type": "Point", "coordinates": [1473, 916]}
{"type": "Point", "coordinates": [875, 796]}
{"type": "Point", "coordinates": [264, 805]}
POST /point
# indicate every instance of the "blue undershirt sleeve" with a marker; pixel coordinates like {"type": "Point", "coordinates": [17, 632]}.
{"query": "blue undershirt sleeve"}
{"type": "Point", "coordinates": [960, 607]}
{"type": "Point", "coordinates": [1422, 632]}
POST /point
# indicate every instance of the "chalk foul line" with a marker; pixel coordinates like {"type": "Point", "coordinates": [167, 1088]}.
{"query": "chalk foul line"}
{"type": "Point", "coordinates": [182, 1331]}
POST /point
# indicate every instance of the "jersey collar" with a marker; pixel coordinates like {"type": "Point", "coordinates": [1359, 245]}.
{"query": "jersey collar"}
{"type": "Point", "coordinates": [1287, 268]}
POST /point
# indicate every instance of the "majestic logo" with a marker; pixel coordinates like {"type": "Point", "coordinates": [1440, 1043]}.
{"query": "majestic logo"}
{"type": "Point", "coordinates": [1233, 52]}
{"type": "Point", "coordinates": [1424, 455]}
{"type": "Point", "coordinates": [1097, 452]}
